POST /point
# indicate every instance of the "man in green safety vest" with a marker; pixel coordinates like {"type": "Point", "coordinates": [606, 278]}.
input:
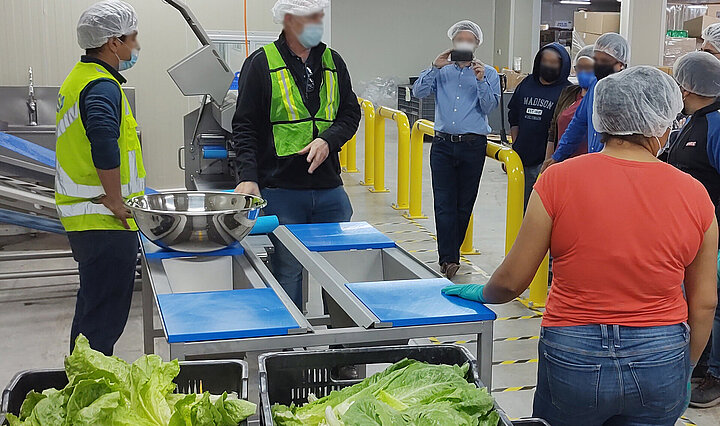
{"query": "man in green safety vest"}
{"type": "Point", "coordinates": [295, 110]}
{"type": "Point", "coordinates": [99, 165]}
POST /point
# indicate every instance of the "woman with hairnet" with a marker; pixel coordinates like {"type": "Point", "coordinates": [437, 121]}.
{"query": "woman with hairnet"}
{"type": "Point", "coordinates": [570, 99]}
{"type": "Point", "coordinates": [711, 40]}
{"type": "Point", "coordinates": [611, 54]}
{"type": "Point", "coordinates": [696, 150]}
{"type": "Point", "coordinates": [626, 232]}
{"type": "Point", "coordinates": [99, 166]}
{"type": "Point", "coordinates": [466, 91]}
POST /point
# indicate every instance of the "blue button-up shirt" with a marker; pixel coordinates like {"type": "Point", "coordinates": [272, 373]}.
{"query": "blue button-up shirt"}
{"type": "Point", "coordinates": [462, 102]}
{"type": "Point", "coordinates": [579, 125]}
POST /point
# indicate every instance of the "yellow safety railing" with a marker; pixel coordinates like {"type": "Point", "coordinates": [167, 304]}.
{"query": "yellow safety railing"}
{"type": "Point", "coordinates": [403, 127]}
{"type": "Point", "coordinates": [350, 155]}
{"type": "Point", "coordinates": [420, 128]}
{"type": "Point", "coordinates": [369, 114]}
{"type": "Point", "coordinates": [514, 217]}
{"type": "Point", "coordinates": [467, 245]}
{"type": "Point", "coordinates": [515, 201]}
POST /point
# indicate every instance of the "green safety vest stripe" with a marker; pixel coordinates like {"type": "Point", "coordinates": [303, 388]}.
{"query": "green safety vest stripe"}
{"type": "Point", "coordinates": [76, 179]}
{"type": "Point", "coordinates": [292, 125]}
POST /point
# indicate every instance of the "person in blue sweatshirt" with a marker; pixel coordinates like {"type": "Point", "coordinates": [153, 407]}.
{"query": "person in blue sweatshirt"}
{"type": "Point", "coordinates": [611, 55]}
{"type": "Point", "coordinates": [532, 106]}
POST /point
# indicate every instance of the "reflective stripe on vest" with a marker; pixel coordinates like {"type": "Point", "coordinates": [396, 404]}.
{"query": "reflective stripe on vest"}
{"type": "Point", "coordinates": [293, 126]}
{"type": "Point", "coordinates": [76, 179]}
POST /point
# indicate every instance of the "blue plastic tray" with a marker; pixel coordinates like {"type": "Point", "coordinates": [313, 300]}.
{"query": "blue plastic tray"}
{"type": "Point", "coordinates": [340, 236]}
{"type": "Point", "coordinates": [229, 314]}
{"type": "Point", "coordinates": [417, 302]}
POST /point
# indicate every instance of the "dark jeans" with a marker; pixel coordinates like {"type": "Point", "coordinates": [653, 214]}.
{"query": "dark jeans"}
{"type": "Point", "coordinates": [293, 206]}
{"type": "Point", "coordinates": [531, 176]}
{"type": "Point", "coordinates": [711, 355]}
{"type": "Point", "coordinates": [106, 262]}
{"type": "Point", "coordinates": [456, 169]}
{"type": "Point", "coordinates": [612, 375]}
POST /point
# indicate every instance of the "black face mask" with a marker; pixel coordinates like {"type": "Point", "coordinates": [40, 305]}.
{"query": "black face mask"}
{"type": "Point", "coordinates": [548, 73]}
{"type": "Point", "coordinates": [602, 70]}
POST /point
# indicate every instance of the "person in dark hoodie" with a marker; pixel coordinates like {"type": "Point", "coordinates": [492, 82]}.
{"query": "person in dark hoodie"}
{"type": "Point", "coordinates": [532, 106]}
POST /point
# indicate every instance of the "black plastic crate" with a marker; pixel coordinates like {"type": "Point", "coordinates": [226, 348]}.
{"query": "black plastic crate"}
{"type": "Point", "coordinates": [289, 377]}
{"type": "Point", "coordinates": [530, 422]}
{"type": "Point", "coordinates": [215, 376]}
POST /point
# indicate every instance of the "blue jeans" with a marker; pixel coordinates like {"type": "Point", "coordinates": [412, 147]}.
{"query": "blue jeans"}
{"type": "Point", "coordinates": [301, 206]}
{"type": "Point", "coordinates": [456, 168]}
{"type": "Point", "coordinates": [711, 355]}
{"type": "Point", "coordinates": [531, 176]}
{"type": "Point", "coordinates": [612, 375]}
{"type": "Point", "coordinates": [106, 262]}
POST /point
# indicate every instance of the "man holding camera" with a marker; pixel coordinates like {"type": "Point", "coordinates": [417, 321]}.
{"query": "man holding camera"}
{"type": "Point", "coordinates": [466, 91]}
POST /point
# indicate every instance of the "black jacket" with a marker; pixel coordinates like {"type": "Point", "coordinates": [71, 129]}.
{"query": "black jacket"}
{"type": "Point", "coordinates": [532, 106]}
{"type": "Point", "coordinates": [696, 150]}
{"type": "Point", "coordinates": [252, 133]}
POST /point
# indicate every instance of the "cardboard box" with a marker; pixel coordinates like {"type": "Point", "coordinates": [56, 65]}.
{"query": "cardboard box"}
{"type": "Point", "coordinates": [713, 10]}
{"type": "Point", "coordinates": [666, 70]}
{"type": "Point", "coordinates": [695, 26]}
{"type": "Point", "coordinates": [597, 22]}
{"type": "Point", "coordinates": [513, 79]}
{"type": "Point", "coordinates": [675, 47]}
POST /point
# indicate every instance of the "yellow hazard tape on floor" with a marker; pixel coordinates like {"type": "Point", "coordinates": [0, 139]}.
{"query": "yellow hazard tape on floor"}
{"type": "Point", "coordinates": [513, 389]}
{"type": "Point", "coordinates": [518, 317]}
{"type": "Point", "coordinates": [516, 361]}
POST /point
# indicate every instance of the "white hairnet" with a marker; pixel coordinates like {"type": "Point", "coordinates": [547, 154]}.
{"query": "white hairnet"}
{"type": "Point", "coordinates": [585, 52]}
{"type": "Point", "coordinates": [103, 20]}
{"type": "Point", "coordinates": [711, 34]}
{"type": "Point", "coordinates": [639, 100]}
{"type": "Point", "coordinates": [466, 26]}
{"type": "Point", "coordinates": [297, 7]}
{"type": "Point", "coordinates": [614, 45]}
{"type": "Point", "coordinates": [699, 73]}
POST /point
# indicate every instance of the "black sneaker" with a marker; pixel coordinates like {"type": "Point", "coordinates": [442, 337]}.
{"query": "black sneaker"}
{"type": "Point", "coordinates": [707, 393]}
{"type": "Point", "coordinates": [699, 373]}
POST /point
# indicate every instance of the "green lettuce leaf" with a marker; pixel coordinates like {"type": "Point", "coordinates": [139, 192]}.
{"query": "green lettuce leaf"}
{"type": "Point", "coordinates": [151, 381]}
{"type": "Point", "coordinates": [407, 392]}
{"type": "Point", "coordinates": [87, 363]}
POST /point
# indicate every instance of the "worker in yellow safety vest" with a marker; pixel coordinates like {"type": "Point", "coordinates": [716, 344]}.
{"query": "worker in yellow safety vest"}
{"type": "Point", "coordinates": [99, 165]}
{"type": "Point", "coordinates": [295, 110]}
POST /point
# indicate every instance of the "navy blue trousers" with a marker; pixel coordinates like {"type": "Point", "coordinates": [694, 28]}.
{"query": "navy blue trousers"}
{"type": "Point", "coordinates": [456, 169]}
{"type": "Point", "coordinates": [106, 261]}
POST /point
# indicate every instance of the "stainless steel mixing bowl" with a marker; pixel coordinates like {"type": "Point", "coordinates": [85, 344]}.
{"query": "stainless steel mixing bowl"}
{"type": "Point", "coordinates": [195, 221]}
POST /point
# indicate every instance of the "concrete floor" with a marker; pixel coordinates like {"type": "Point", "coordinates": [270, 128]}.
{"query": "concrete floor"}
{"type": "Point", "coordinates": [36, 321]}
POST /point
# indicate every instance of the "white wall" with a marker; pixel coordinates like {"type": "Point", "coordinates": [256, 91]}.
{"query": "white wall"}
{"type": "Point", "coordinates": [41, 34]}
{"type": "Point", "coordinates": [402, 37]}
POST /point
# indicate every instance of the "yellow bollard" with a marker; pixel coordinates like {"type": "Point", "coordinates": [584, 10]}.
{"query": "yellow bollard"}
{"type": "Point", "coordinates": [467, 245]}
{"type": "Point", "coordinates": [420, 128]}
{"type": "Point", "coordinates": [379, 155]}
{"type": "Point", "coordinates": [369, 114]}
{"type": "Point", "coordinates": [403, 177]}
{"type": "Point", "coordinates": [343, 157]}
{"type": "Point", "coordinates": [351, 159]}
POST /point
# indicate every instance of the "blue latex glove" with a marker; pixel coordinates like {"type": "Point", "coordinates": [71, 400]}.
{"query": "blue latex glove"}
{"type": "Point", "coordinates": [466, 291]}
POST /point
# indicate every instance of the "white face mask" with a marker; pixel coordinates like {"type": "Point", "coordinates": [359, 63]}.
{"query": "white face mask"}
{"type": "Point", "coordinates": [660, 146]}
{"type": "Point", "coordinates": [465, 46]}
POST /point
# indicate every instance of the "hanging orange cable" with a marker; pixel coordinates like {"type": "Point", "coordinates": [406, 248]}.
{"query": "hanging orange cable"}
{"type": "Point", "coordinates": [247, 48]}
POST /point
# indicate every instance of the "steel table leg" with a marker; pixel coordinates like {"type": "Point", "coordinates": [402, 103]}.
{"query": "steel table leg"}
{"type": "Point", "coordinates": [148, 299]}
{"type": "Point", "coordinates": [485, 353]}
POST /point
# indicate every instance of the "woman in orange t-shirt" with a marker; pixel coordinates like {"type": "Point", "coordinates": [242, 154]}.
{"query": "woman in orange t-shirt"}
{"type": "Point", "coordinates": [626, 231]}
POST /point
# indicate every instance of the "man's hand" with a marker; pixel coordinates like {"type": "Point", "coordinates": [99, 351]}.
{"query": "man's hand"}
{"type": "Point", "coordinates": [248, 187]}
{"type": "Point", "coordinates": [549, 162]}
{"type": "Point", "coordinates": [317, 151]}
{"type": "Point", "coordinates": [442, 59]}
{"type": "Point", "coordinates": [118, 209]}
{"type": "Point", "coordinates": [479, 69]}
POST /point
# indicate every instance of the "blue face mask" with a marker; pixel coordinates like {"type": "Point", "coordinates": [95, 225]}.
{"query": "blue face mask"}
{"type": "Point", "coordinates": [586, 79]}
{"type": "Point", "coordinates": [126, 65]}
{"type": "Point", "coordinates": [311, 35]}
